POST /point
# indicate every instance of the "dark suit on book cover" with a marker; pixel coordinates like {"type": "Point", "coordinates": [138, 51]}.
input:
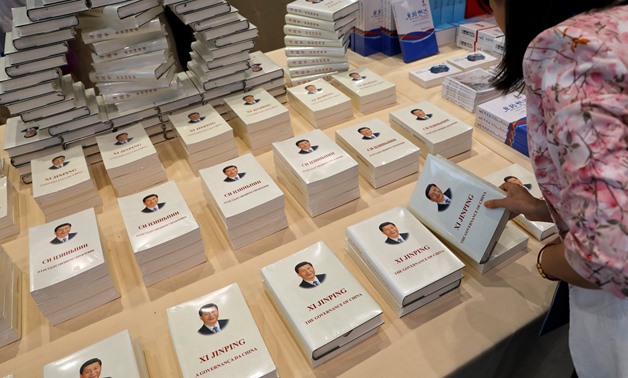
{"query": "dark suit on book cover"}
{"type": "Point", "coordinates": [159, 206]}
{"type": "Point", "coordinates": [118, 143]}
{"type": "Point", "coordinates": [442, 206]}
{"type": "Point", "coordinates": [375, 135]}
{"type": "Point", "coordinates": [204, 330]}
{"type": "Point", "coordinates": [240, 175]}
{"type": "Point", "coordinates": [55, 167]}
{"type": "Point", "coordinates": [57, 241]}
{"type": "Point", "coordinates": [314, 148]}
{"type": "Point", "coordinates": [306, 285]}
{"type": "Point", "coordinates": [404, 236]}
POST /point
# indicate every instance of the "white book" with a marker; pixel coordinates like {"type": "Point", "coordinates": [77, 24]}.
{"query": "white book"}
{"type": "Point", "coordinates": [222, 314]}
{"type": "Point", "coordinates": [192, 5]}
{"type": "Point", "coordinates": [318, 69]}
{"type": "Point", "coordinates": [294, 62]}
{"type": "Point", "coordinates": [450, 201]}
{"type": "Point", "coordinates": [511, 244]}
{"type": "Point", "coordinates": [262, 70]}
{"type": "Point", "coordinates": [153, 31]}
{"type": "Point", "coordinates": [517, 174]}
{"type": "Point", "coordinates": [297, 40]}
{"type": "Point", "coordinates": [330, 10]}
{"type": "Point", "coordinates": [240, 24]}
{"type": "Point", "coordinates": [214, 22]}
{"type": "Point", "coordinates": [303, 31]}
{"type": "Point", "coordinates": [20, 139]}
{"type": "Point", "coordinates": [293, 51]}
{"type": "Point", "coordinates": [31, 41]}
{"type": "Point", "coordinates": [115, 356]}
{"type": "Point", "coordinates": [318, 98]}
{"type": "Point", "coordinates": [433, 75]}
{"type": "Point", "coordinates": [204, 13]}
{"type": "Point", "coordinates": [10, 84]}
{"type": "Point", "coordinates": [57, 172]}
{"type": "Point", "coordinates": [122, 10]}
{"type": "Point", "coordinates": [125, 147]}
{"type": "Point", "coordinates": [30, 92]}
{"type": "Point", "coordinates": [241, 36]}
{"type": "Point", "coordinates": [148, 228]}
{"type": "Point", "coordinates": [23, 25]}
{"type": "Point", "coordinates": [310, 22]}
{"type": "Point", "coordinates": [472, 60]}
{"type": "Point", "coordinates": [257, 108]}
{"type": "Point", "coordinates": [365, 87]}
{"type": "Point", "coordinates": [90, 35]}
{"type": "Point", "coordinates": [502, 111]}
{"type": "Point", "coordinates": [15, 57]}
{"type": "Point", "coordinates": [410, 261]}
{"type": "Point", "coordinates": [36, 66]}
{"type": "Point", "coordinates": [37, 10]}
{"type": "Point", "coordinates": [323, 305]}
{"type": "Point", "coordinates": [200, 124]}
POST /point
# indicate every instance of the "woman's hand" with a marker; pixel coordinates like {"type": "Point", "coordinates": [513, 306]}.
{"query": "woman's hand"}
{"type": "Point", "coordinates": [519, 201]}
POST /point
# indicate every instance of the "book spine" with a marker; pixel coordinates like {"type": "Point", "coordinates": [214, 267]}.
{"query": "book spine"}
{"type": "Point", "coordinates": [309, 12]}
{"type": "Point", "coordinates": [308, 22]}
{"type": "Point", "coordinates": [110, 11]}
{"type": "Point", "coordinates": [293, 40]}
{"type": "Point", "coordinates": [314, 51]}
{"type": "Point", "coordinates": [314, 60]}
{"type": "Point", "coordinates": [318, 69]}
{"type": "Point", "coordinates": [309, 32]}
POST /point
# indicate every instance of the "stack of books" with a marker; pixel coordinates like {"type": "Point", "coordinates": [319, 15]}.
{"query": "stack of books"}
{"type": "Point", "coordinates": [433, 75]}
{"type": "Point", "coordinates": [511, 244]}
{"type": "Point", "coordinates": [383, 155]}
{"type": "Point", "coordinates": [116, 356]}
{"type": "Point", "coordinates": [368, 91]}
{"type": "Point", "coordinates": [404, 261]}
{"type": "Point", "coordinates": [9, 213]}
{"type": "Point", "coordinates": [245, 201]}
{"type": "Point", "coordinates": [164, 235]}
{"type": "Point", "coordinates": [318, 173]}
{"type": "Point", "coordinates": [449, 200]}
{"type": "Point", "coordinates": [432, 129]}
{"type": "Point", "coordinates": [69, 275]}
{"type": "Point", "coordinates": [11, 305]}
{"type": "Point", "coordinates": [204, 135]}
{"type": "Point", "coordinates": [322, 328]}
{"type": "Point", "coordinates": [224, 317]}
{"type": "Point", "coordinates": [471, 60]}
{"type": "Point", "coordinates": [469, 89]}
{"type": "Point", "coordinates": [320, 103]}
{"type": "Point", "coordinates": [317, 36]}
{"type": "Point", "coordinates": [131, 160]}
{"type": "Point", "coordinates": [63, 185]}
{"type": "Point", "coordinates": [468, 33]}
{"type": "Point", "coordinates": [185, 95]}
{"type": "Point", "coordinates": [491, 41]}
{"type": "Point", "coordinates": [259, 118]}
{"type": "Point", "coordinates": [367, 34]}
{"type": "Point", "coordinates": [498, 116]}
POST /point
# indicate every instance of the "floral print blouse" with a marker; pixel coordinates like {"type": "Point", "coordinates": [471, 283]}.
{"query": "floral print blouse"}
{"type": "Point", "coordinates": [576, 76]}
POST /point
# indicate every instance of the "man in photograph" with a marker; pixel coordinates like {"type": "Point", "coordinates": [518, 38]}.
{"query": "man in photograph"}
{"type": "Point", "coordinates": [91, 369]}
{"type": "Point", "coordinates": [256, 67]}
{"type": "Point", "coordinates": [30, 132]}
{"type": "Point", "coordinates": [355, 76]}
{"type": "Point", "coordinates": [305, 146]}
{"type": "Point", "coordinates": [515, 180]}
{"type": "Point", "coordinates": [435, 194]}
{"type": "Point", "coordinates": [209, 316]}
{"type": "Point", "coordinates": [58, 162]}
{"type": "Point", "coordinates": [367, 133]}
{"type": "Point", "coordinates": [420, 115]}
{"type": "Point", "coordinates": [309, 278]}
{"type": "Point", "coordinates": [249, 99]}
{"type": "Point", "coordinates": [152, 203]}
{"type": "Point", "coordinates": [231, 171]}
{"type": "Point", "coordinates": [311, 89]}
{"type": "Point", "coordinates": [392, 233]}
{"type": "Point", "coordinates": [122, 138]}
{"type": "Point", "coordinates": [63, 234]}
{"type": "Point", "coordinates": [195, 117]}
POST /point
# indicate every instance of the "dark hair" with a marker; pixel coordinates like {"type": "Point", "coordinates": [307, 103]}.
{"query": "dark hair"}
{"type": "Point", "coordinates": [209, 305]}
{"type": "Point", "coordinates": [524, 21]}
{"type": "Point", "coordinates": [56, 157]}
{"type": "Point", "coordinates": [296, 267]}
{"type": "Point", "coordinates": [363, 127]}
{"type": "Point", "coordinates": [89, 362]}
{"type": "Point", "coordinates": [194, 113]}
{"type": "Point", "coordinates": [414, 110]}
{"type": "Point", "coordinates": [509, 177]}
{"type": "Point", "coordinates": [247, 95]}
{"type": "Point", "coordinates": [381, 226]}
{"type": "Point", "coordinates": [427, 190]}
{"type": "Point", "coordinates": [121, 135]}
{"type": "Point", "coordinates": [299, 141]}
{"type": "Point", "coordinates": [148, 196]}
{"type": "Point", "coordinates": [61, 225]}
{"type": "Point", "coordinates": [227, 167]}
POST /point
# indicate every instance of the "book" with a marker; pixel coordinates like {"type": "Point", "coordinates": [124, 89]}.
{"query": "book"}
{"type": "Point", "coordinates": [476, 59]}
{"type": "Point", "coordinates": [217, 21]}
{"type": "Point", "coordinates": [218, 32]}
{"type": "Point", "coordinates": [390, 39]}
{"type": "Point", "coordinates": [469, 89]}
{"type": "Point", "coordinates": [37, 10]}
{"type": "Point", "coordinates": [368, 91]}
{"type": "Point", "coordinates": [10, 84]}
{"type": "Point", "coordinates": [367, 35]}
{"type": "Point", "coordinates": [35, 66]}
{"type": "Point", "coordinates": [511, 244]}
{"type": "Point", "coordinates": [11, 302]}
{"type": "Point", "coordinates": [263, 70]}
{"type": "Point", "coordinates": [294, 62]}
{"type": "Point", "coordinates": [431, 76]}
{"type": "Point", "coordinates": [294, 51]}
{"type": "Point", "coordinates": [20, 139]}
{"type": "Point", "coordinates": [310, 22]}
{"type": "Point", "coordinates": [496, 116]}
{"type": "Point", "coordinates": [204, 13]}
{"type": "Point", "coordinates": [82, 116]}
{"type": "Point", "coordinates": [323, 305]}
{"type": "Point", "coordinates": [22, 42]}
{"type": "Point", "coordinates": [226, 309]}
{"type": "Point", "coordinates": [415, 29]}
{"type": "Point", "coordinates": [30, 92]}
{"type": "Point", "coordinates": [450, 201]}
{"type": "Point", "coordinates": [23, 25]}
{"type": "Point", "coordinates": [192, 5]}
{"type": "Point", "coordinates": [116, 356]}
{"type": "Point", "coordinates": [93, 35]}
{"type": "Point", "coordinates": [72, 97]}
{"type": "Point", "coordinates": [9, 214]}
{"type": "Point", "coordinates": [15, 57]}
{"type": "Point", "coordinates": [320, 103]}
{"type": "Point", "coordinates": [406, 263]}
{"type": "Point", "coordinates": [324, 10]}
{"type": "Point", "coordinates": [121, 10]}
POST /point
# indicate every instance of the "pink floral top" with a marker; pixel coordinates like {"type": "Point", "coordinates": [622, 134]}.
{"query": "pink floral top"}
{"type": "Point", "coordinates": [577, 94]}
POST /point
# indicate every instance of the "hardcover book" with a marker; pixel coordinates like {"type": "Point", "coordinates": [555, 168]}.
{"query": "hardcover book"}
{"type": "Point", "coordinates": [368, 91]}
{"type": "Point", "coordinates": [309, 22]}
{"type": "Point", "coordinates": [330, 10]}
{"type": "Point", "coordinates": [20, 139]}
{"type": "Point", "coordinates": [450, 201]}
{"type": "Point", "coordinates": [11, 304]}
{"type": "Point", "coordinates": [263, 70]}
{"type": "Point", "coordinates": [323, 305]}
{"type": "Point", "coordinates": [469, 89]}
{"type": "Point", "coordinates": [320, 103]}
{"type": "Point", "coordinates": [23, 25]}
{"type": "Point", "coordinates": [224, 317]}
{"type": "Point", "coordinates": [9, 214]}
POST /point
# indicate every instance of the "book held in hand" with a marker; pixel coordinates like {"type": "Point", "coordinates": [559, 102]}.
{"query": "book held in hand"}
{"type": "Point", "coordinates": [368, 91]}
{"type": "Point", "coordinates": [216, 335]}
{"type": "Point", "coordinates": [323, 305]}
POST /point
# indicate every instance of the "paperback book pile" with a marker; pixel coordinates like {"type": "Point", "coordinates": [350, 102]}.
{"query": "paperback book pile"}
{"type": "Point", "coordinates": [405, 262]}
{"type": "Point", "coordinates": [521, 176]}
{"type": "Point", "coordinates": [69, 275]}
{"type": "Point", "coordinates": [450, 201]}
{"type": "Point", "coordinates": [244, 199]}
{"type": "Point", "coordinates": [317, 36]}
{"type": "Point", "coordinates": [383, 155]}
{"type": "Point", "coordinates": [259, 118]}
{"type": "Point", "coordinates": [367, 34]}
{"type": "Point", "coordinates": [499, 115]}
{"type": "Point", "coordinates": [62, 184]}
{"type": "Point", "coordinates": [431, 76]}
{"type": "Point", "coordinates": [131, 160]}
{"type": "Point", "coordinates": [326, 327]}
{"type": "Point", "coordinates": [368, 91]}
{"type": "Point", "coordinates": [318, 173]}
{"type": "Point", "coordinates": [468, 34]}
{"type": "Point", "coordinates": [320, 103]}
{"type": "Point", "coordinates": [11, 305]}
{"type": "Point", "coordinates": [469, 89]}
{"type": "Point", "coordinates": [225, 317]}
{"type": "Point", "coordinates": [9, 214]}
{"type": "Point", "coordinates": [164, 235]}
{"type": "Point", "coordinates": [432, 129]}
{"type": "Point", "coordinates": [116, 356]}
{"type": "Point", "coordinates": [204, 135]}
{"type": "Point", "coordinates": [471, 60]}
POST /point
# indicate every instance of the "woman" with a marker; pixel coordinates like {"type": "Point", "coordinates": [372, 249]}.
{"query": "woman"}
{"type": "Point", "coordinates": [571, 56]}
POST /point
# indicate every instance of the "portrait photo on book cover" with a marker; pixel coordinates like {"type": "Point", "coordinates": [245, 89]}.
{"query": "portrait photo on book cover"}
{"type": "Point", "coordinates": [195, 117]}
{"type": "Point", "coordinates": [256, 67]}
{"type": "Point", "coordinates": [305, 147]}
{"type": "Point", "coordinates": [210, 316]}
{"type": "Point", "coordinates": [232, 173]}
{"type": "Point", "coordinates": [309, 278]}
{"type": "Point", "coordinates": [249, 99]}
{"type": "Point", "coordinates": [393, 236]}
{"type": "Point", "coordinates": [435, 194]}
{"type": "Point", "coordinates": [151, 203]}
{"type": "Point", "coordinates": [30, 132]}
{"type": "Point", "coordinates": [63, 233]}
{"type": "Point", "coordinates": [91, 368]}
{"type": "Point", "coordinates": [367, 133]}
{"type": "Point", "coordinates": [59, 162]}
{"type": "Point", "coordinates": [421, 115]}
{"type": "Point", "coordinates": [122, 138]}
{"type": "Point", "coordinates": [515, 180]}
{"type": "Point", "coordinates": [311, 89]}
{"type": "Point", "coordinates": [355, 76]}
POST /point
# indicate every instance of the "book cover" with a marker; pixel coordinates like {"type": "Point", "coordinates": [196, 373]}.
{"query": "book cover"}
{"type": "Point", "coordinates": [199, 124]}
{"type": "Point", "coordinates": [216, 335]}
{"type": "Point", "coordinates": [366, 86]}
{"type": "Point", "coordinates": [415, 28]}
{"type": "Point", "coordinates": [20, 138]}
{"type": "Point", "coordinates": [450, 201]}
{"type": "Point", "coordinates": [59, 171]}
{"type": "Point", "coordinates": [125, 146]}
{"type": "Point", "coordinates": [323, 305]}
{"type": "Point", "coordinates": [433, 75]}
{"type": "Point", "coordinates": [503, 110]}
{"type": "Point", "coordinates": [329, 10]}
{"type": "Point", "coordinates": [367, 35]}
{"type": "Point", "coordinates": [257, 106]}
{"type": "Point", "coordinates": [390, 38]}
{"type": "Point", "coordinates": [25, 26]}
{"type": "Point", "coordinates": [318, 96]}
{"type": "Point", "coordinates": [305, 21]}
